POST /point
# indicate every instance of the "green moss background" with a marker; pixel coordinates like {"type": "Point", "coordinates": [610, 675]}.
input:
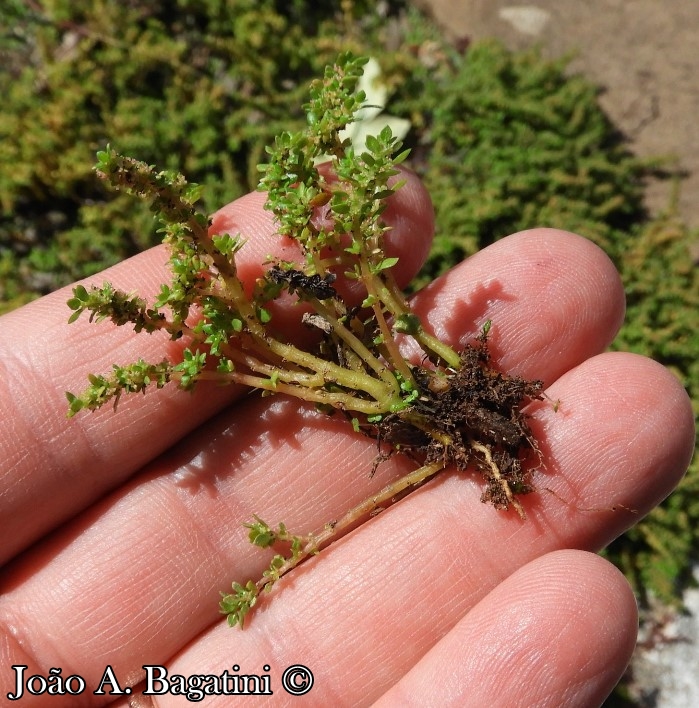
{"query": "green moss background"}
{"type": "Point", "coordinates": [504, 142]}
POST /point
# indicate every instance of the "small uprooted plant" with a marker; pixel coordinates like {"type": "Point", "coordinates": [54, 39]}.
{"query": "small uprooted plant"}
{"type": "Point", "coordinates": [452, 408]}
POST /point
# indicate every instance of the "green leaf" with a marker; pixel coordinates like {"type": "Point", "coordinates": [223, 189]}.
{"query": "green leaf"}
{"type": "Point", "coordinates": [265, 316]}
{"type": "Point", "coordinates": [238, 603]}
{"type": "Point", "coordinates": [75, 404]}
{"type": "Point", "coordinates": [407, 323]}
{"type": "Point", "coordinates": [385, 264]}
{"type": "Point", "coordinates": [226, 244]}
{"type": "Point", "coordinates": [260, 533]}
{"type": "Point", "coordinates": [401, 157]}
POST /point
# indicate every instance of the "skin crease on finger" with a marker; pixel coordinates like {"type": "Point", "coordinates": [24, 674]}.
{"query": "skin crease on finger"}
{"type": "Point", "coordinates": [196, 575]}
{"type": "Point", "coordinates": [44, 480]}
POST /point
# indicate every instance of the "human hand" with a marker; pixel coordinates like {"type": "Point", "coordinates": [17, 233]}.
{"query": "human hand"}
{"type": "Point", "coordinates": [126, 527]}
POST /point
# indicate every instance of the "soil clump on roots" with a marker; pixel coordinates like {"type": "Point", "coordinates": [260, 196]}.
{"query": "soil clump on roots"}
{"type": "Point", "coordinates": [472, 418]}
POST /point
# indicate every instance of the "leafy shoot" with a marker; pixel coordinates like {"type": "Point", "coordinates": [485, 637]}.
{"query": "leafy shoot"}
{"type": "Point", "coordinates": [452, 409]}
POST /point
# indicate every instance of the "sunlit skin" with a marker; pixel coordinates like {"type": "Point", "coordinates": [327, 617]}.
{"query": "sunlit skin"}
{"type": "Point", "coordinates": [119, 529]}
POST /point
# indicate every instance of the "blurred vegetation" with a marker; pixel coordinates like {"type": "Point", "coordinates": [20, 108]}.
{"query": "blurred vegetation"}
{"type": "Point", "coordinates": [504, 142]}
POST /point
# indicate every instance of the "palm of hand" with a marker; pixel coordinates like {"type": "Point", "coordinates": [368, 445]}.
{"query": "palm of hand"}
{"type": "Point", "coordinates": [440, 599]}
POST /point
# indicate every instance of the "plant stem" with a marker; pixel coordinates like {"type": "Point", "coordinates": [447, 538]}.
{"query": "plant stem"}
{"type": "Point", "coordinates": [394, 299]}
{"type": "Point", "coordinates": [369, 506]}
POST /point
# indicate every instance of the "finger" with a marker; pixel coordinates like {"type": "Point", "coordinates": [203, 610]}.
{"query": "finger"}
{"type": "Point", "coordinates": [54, 467]}
{"type": "Point", "coordinates": [245, 466]}
{"type": "Point", "coordinates": [559, 631]}
{"type": "Point", "coordinates": [553, 299]}
{"type": "Point", "coordinates": [367, 609]}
